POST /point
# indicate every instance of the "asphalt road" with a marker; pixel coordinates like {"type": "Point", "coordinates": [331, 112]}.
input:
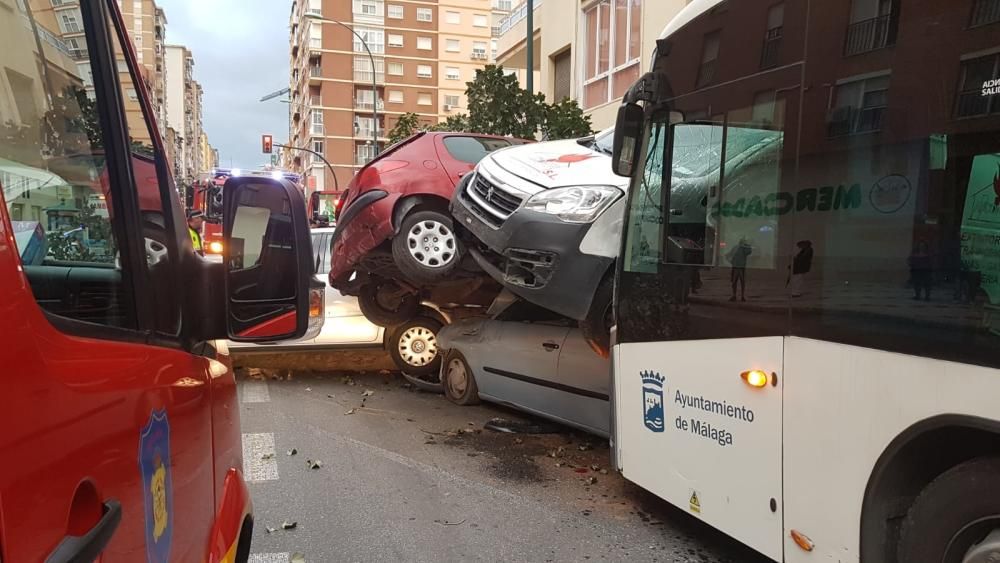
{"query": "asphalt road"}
{"type": "Point", "coordinates": [411, 477]}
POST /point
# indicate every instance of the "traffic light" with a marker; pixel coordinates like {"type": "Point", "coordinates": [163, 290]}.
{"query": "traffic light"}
{"type": "Point", "coordinates": [266, 143]}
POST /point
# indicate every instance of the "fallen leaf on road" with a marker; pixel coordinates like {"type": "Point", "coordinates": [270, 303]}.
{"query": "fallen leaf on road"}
{"type": "Point", "coordinates": [329, 396]}
{"type": "Point", "coordinates": [447, 523]}
{"type": "Point", "coordinates": [286, 525]}
{"type": "Point", "coordinates": [590, 480]}
{"type": "Point", "coordinates": [368, 393]}
{"type": "Point", "coordinates": [585, 447]}
{"type": "Point", "coordinates": [297, 558]}
{"type": "Point", "coordinates": [518, 441]}
{"type": "Point", "coordinates": [314, 463]}
{"type": "Point", "coordinates": [293, 451]}
{"type": "Point", "coordinates": [595, 467]}
{"type": "Point", "coordinates": [270, 530]}
{"type": "Point", "coordinates": [352, 411]}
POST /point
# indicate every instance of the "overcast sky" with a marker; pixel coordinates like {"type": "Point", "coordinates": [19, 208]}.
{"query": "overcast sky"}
{"type": "Point", "coordinates": [240, 54]}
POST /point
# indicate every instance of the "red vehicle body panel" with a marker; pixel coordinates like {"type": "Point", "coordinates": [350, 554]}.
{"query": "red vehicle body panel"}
{"type": "Point", "coordinates": [419, 166]}
{"type": "Point", "coordinates": [75, 411]}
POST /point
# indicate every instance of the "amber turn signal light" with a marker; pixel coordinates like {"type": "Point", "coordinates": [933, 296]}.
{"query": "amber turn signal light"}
{"type": "Point", "coordinates": [315, 302]}
{"type": "Point", "coordinates": [215, 247]}
{"type": "Point", "coordinates": [802, 540]}
{"type": "Point", "coordinates": [755, 378]}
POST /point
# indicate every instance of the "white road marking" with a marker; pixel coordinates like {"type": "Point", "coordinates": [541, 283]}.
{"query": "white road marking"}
{"type": "Point", "coordinates": [259, 459]}
{"type": "Point", "coordinates": [255, 392]}
{"type": "Point", "coordinates": [268, 558]}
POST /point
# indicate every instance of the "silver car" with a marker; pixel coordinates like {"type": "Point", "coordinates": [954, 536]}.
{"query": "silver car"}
{"type": "Point", "coordinates": [531, 359]}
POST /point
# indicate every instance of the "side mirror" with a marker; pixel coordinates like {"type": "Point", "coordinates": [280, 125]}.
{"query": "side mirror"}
{"type": "Point", "coordinates": [628, 134]}
{"type": "Point", "coordinates": [267, 259]}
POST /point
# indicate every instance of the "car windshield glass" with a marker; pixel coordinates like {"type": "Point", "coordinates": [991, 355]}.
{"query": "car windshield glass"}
{"type": "Point", "coordinates": [696, 151]}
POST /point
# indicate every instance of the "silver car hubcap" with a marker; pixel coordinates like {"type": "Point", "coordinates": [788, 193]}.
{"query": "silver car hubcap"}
{"type": "Point", "coordinates": [458, 379]}
{"type": "Point", "coordinates": [418, 346]}
{"type": "Point", "coordinates": [431, 243]}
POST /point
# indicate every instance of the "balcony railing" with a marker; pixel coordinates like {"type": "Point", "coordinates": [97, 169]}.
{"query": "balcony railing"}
{"type": "Point", "coordinates": [853, 121]}
{"type": "Point", "coordinates": [515, 17]}
{"type": "Point", "coordinates": [366, 76]}
{"type": "Point", "coordinates": [376, 48]}
{"type": "Point", "coordinates": [362, 159]}
{"type": "Point", "coordinates": [478, 55]}
{"type": "Point", "coordinates": [315, 101]}
{"type": "Point", "coordinates": [869, 35]}
{"type": "Point", "coordinates": [316, 71]}
{"type": "Point", "coordinates": [985, 12]}
{"type": "Point", "coordinates": [316, 129]}
{"type": "Point", "coordinates": [772, 47]}
{"type": "Point", "coordinates": [367, 105]}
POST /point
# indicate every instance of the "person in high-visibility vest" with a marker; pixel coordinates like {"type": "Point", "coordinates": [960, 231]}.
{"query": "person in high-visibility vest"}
{"type": "Point", "coordinates": [195, 221]}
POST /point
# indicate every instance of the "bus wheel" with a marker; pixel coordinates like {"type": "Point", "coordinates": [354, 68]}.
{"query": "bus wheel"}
{"type": "Point", "coordinates": [596, 328]}
{"type": "Point", "coordinates": [955, 519]}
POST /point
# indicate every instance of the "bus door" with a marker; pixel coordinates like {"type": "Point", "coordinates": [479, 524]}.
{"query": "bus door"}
{"type": "Point", "coordinates": [702, 292]}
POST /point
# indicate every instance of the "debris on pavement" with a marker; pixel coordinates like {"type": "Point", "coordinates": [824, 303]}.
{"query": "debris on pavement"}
{"type": "Point", "coordinates": [308, 388]}
{"type": "Point", "coordinates": [352, 411]}
{"type": "Point", "coordinates": [286, 525]}
{"type": "Point", "coordinates": [293, 451]}
{"type": "Point", "coordinates": [347, 380]}
{"type": "Point", "coordinates": [267, 456]}
{"type": "Point", "coordinates": [590, 480]}
{"type": "Point", "coordinates": [519, 427]}
{"type": "Point", "coordinates": [297, 558]}
{"type": "Point", "coordinates": [314, 463]}
{"type": "Point", "coordinates": [368, 393]}
{"type": "Point", "coordinates": [447, 523]}
{"type": "Point", "coordinates": [585, 447]}
{"type": "Point", "coordinates": [270, 530]}
{"type": "Point", "coordinates": [329, 396]}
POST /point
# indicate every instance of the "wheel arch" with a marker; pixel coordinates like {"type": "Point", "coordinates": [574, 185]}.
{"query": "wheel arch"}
{"type": "Point", "coordinates": [407, 204]}
{"type": "Point", "coordinates": [909, 463]}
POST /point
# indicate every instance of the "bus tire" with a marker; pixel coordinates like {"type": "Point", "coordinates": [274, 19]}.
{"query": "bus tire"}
{"type": "Point", "coordinates": [596, 327]}
{"type": "Point", "coordinates": [954, 512]}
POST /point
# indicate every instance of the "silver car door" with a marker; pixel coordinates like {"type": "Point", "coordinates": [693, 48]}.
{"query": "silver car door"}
{"type": "Point", "coordinates": [587, 376]}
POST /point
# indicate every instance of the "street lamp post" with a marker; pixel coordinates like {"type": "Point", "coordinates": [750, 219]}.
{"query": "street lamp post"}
{"type": "Point", "coordinates": [374, 73]}
{"type": "Point", "coordinates": [336, 184]}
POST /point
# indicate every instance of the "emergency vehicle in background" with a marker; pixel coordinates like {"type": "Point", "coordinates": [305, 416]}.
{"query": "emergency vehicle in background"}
{"type": "Point", "coordinates": [807, 312]}
{"type": "Point", "coordinates": [205, 195]}
{"type": "Point", "coordinates": [121, 435]}
{"type": "Point", "coordinates": [323, 205]}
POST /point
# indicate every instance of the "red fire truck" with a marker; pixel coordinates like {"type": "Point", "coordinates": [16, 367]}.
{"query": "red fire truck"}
{"type": "Point", "coordinates": [121, 435]}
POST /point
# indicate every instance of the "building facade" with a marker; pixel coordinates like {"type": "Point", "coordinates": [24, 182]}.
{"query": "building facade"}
{"type": "Point", "coordinates": [586, 50]}
{"type": "Point", "coordinates": [423, 51]}
{"type": "Point", "coordinates": [184, 113]}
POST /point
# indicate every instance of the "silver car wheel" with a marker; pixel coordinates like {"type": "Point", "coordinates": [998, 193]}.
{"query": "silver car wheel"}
{"type": "Point", "coordinates": [456, 378]}
{"type": "Point", "coordinates": [432, 244]}
{"type": "Point", "coordinates": [418, 346]}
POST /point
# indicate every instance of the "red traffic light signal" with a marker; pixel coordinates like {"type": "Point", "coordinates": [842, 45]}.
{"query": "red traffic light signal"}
{"type": "Point", "coordinates": [266, 143]}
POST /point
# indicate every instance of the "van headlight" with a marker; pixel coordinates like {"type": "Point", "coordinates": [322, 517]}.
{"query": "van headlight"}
{"type": "Point", "coordinates": [578, 204]}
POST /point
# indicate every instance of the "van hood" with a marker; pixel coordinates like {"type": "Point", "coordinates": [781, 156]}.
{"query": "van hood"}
{"type": "Point", "coordinates": [559, 163]}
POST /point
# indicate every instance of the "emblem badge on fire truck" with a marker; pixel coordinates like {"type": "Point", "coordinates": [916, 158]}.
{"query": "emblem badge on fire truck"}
{"type": "Point", "coordinates": [652, 399]}
{"type": "Point", "coordinates": [157, 486]}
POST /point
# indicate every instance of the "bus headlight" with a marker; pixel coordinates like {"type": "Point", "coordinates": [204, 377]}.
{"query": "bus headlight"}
{"type": "Point", "coordinates": [215, 247]}
{"type": "Point", "coordinates": [577, 204]}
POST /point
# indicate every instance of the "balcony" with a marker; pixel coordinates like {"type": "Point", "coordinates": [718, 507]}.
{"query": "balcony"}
{"type": "Point", "coordinates": [316, 129]}
{"type": "Point", "coordinates": [869, 35]}
{"type": "Point", "coordinates": [362, 159]}
{"type": "Point", "coordinates": [368, 105]}
{"type": "Point", "coordinates": [511, 34]}
{"type": "Point", "coordinates": [366, 76]}
{"type": "Point", "coordinates": [315, 101]}
{"type": "Point", "coordinates": [985, 12]}
{"type": "Point", "coordinates": [478, 55]}
{"type": "Point", "coordinates": [315, 73]}
{"type": "Point", "coordinates": [772, 48]}
{"type": "Point", "coordinates": [854, 121]}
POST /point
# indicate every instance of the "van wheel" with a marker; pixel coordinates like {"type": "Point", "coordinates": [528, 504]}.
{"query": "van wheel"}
{"type": "Point", "coordinates": [957, 511]}
{"type": "Point", "coordinates": [426, 249]}
{"type": "Point", "coordinates": [414, 348]}
{"type": "Point", "coordinates": [458, 382]}
{"type": "Point", "coordinates": [596, 327]}
{"type": "Point", "coordinates": [386, 304]}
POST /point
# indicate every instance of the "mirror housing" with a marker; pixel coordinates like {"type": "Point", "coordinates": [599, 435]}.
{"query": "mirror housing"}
{"type": "Point", "coordinates": [267, 260]}
{"type": "Point", "coordinates": [628, 136]}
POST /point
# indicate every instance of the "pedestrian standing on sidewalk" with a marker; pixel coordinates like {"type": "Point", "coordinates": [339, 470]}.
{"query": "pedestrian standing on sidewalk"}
{"type": "Point", "coordinates": [738, 275]}
{"type": "Point", "coordinates": [801, 264]}
{"type": "Point", "coordinates": [921, 270]}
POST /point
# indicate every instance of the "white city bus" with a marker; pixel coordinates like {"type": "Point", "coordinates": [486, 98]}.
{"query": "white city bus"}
{"type": "Point", "coordinates": [807, 305]}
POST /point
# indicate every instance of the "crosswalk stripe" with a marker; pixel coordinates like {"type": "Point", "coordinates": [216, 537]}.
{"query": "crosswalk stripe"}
{"type": "Point", "coordinates": [259, 459]}
{"type": "Point", "coordinates": [255, 392]}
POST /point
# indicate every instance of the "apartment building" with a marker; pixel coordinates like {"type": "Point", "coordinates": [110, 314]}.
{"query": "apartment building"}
{"type": "Point", "coordinates": [184, 113]}
{"type": "Point", "coordinates": [587, 50]}
{"type": "Point", "coordinates": [351, 61]}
